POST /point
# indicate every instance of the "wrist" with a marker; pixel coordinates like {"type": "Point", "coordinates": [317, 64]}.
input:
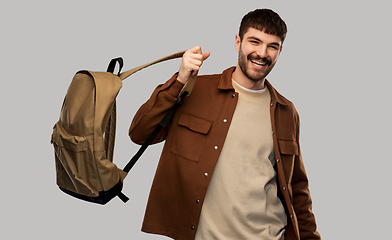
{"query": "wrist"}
{"type": "Point", "coordinates": [181, 79]}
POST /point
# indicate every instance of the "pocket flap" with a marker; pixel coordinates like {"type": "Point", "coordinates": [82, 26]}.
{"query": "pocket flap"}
{"type": "Point", "coordinates": [195, 124]}
{"type": "Point", "coordinates": [68, 138]}
{"type": "Point", "coordinates": [288, 146]}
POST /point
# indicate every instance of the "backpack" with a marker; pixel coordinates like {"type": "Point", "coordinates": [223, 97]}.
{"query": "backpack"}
{"type": "Point", "coordinates": [83, 138]}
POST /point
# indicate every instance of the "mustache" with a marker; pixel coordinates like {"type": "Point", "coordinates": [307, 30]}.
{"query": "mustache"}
{"type": "Point", "coordinates": [266, 60]}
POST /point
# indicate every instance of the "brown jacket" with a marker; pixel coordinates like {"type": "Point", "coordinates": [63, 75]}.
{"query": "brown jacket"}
{"type": "Point", "coordinates": [194, 140]}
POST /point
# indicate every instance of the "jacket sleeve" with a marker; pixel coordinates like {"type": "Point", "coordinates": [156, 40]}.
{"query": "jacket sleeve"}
{"type": "Point", "coordinates": [151, 112]}
{"type": "Point", "coordinates": [302, 201]}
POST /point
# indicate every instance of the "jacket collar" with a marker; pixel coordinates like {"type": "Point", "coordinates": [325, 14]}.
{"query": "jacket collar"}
{"type": "Point", "coordinates": [275, 95]}
{"type": "Point", "coordinates": [225, 84]}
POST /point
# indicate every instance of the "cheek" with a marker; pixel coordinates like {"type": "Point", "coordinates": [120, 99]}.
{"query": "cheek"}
{"type": "Point", "coordinates": [274, 57]}
{"type": "Point", "coordinates": [247, 49]}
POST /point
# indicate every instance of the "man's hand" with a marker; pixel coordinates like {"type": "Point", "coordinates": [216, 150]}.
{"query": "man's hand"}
{"type": "Point", "coordinates": [191, 62]}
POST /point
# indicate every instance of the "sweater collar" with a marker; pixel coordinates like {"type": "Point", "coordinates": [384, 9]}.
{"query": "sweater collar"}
{"type": "Point", "coordinates": [225, 84]}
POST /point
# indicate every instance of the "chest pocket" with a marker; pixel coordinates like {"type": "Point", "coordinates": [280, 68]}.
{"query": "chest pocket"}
{"type": "Point", "coordinates": [190, 136]}
{"type": "Point", "coordinates": [288, 147]}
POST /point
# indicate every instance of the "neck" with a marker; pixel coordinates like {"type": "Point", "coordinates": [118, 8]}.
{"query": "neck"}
{"type": "Point", "coordinates": [240, 78]}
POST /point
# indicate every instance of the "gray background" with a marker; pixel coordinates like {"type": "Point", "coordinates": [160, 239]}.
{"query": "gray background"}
{"type": "Point", "coordinates": [333, 67]}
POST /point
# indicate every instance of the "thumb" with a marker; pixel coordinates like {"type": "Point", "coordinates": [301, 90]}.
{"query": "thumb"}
{"type": "Point", "coordinates": [206, 55]}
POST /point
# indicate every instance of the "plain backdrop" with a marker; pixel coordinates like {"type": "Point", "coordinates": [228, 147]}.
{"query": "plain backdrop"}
{"type": "Point", "coordinates": [334, 67]}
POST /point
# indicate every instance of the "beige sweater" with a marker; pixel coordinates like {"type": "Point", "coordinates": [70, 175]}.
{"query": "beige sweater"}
{"type": "Point", "coordinates": [241, 200]}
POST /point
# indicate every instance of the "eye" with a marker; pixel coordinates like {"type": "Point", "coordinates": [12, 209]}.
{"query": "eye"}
{"type": "Point", "coordinates": [254, 42]}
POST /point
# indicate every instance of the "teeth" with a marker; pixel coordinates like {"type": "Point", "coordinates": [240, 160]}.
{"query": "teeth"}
{"type": "Point", "coordinates": [258, 62]}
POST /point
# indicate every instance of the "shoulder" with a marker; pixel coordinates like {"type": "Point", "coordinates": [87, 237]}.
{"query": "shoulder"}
{"type": "Point", "coordinates": [210, 76]}
{"type": "Point", "coordinates": [286, 106]}
{"type": "Point", "coordinates": [222, 81]}
{"type": "Point", "coordinates": [288, 103]}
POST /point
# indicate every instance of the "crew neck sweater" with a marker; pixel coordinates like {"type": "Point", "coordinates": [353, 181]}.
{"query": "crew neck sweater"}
{"type": "Point", "coordinates": [241, 200]}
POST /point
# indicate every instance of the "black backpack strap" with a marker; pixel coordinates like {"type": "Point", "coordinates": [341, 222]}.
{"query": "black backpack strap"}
{"type": "Point", "coordinates": [123, 197]}
{"type": "Point", "coordinates": [161, 125]}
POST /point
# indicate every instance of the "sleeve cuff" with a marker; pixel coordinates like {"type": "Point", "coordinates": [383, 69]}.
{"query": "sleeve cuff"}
{"type": "Point", "coordinates": [173, 86]}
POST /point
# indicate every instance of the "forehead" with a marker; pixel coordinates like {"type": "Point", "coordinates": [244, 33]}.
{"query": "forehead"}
{"type": "Point", "coordinates": [262, 36]}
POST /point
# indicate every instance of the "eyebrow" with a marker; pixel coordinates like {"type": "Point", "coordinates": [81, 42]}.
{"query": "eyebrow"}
{"type": "Point", "coordinates": [257, 39]}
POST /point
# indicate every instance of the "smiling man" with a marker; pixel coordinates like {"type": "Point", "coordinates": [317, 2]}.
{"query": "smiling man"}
{"type": "Point", "coordinates": [231, 166]}
{"type": "Point", "coordinates": [257, 55]}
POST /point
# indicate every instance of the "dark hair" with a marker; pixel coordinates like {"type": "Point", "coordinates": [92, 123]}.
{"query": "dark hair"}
{"type": "Point", "coordinates": [264, 20]}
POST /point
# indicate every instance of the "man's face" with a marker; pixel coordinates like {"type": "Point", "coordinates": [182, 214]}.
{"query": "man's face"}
{"type": "Point", "coordinates": [257, 53]}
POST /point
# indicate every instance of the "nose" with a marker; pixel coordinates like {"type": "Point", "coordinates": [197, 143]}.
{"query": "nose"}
{"type": "Point", "coordinates": [262, 51]}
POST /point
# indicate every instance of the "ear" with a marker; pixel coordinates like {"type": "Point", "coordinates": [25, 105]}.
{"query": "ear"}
{"type": "Point", "coordinates": [237, 42]}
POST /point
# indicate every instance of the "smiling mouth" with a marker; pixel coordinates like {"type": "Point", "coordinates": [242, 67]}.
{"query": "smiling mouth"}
{"type": "Point", "coordinates": [259, 63]}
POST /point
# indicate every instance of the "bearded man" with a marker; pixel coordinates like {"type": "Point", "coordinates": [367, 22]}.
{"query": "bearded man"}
{"type": "Point", "coordinates": [231, 166]}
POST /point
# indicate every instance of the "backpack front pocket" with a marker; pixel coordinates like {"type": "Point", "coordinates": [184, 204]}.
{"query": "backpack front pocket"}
{"type": "Point", "coordinates": [74, 166]}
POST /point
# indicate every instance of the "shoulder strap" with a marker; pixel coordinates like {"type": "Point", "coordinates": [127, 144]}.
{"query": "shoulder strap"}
{"type": "Point", "coordinates": [187, 87]}
{"type": "Point", "coordinates": [128, 73]}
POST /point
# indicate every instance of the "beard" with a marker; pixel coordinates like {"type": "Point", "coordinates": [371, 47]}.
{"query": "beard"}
{"type": "Point", "coordinates": [249, 71]}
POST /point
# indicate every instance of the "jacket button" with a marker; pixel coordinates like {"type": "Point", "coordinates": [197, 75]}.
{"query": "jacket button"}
{"type": "Point", "coordinates": [291, 216]}
{"type": "Point", "coordinates": [278, 160]}
{"type": "Point", "coordinates": [272, 104]}
{"type": "Point", "coordinates": [197, 201]}
{"type": "Point", "coordinates": [205, 174]}
{"type": "Point", "coordinates": [273, 131]}
{"type": "Point", "coordinates": [216, 147]}
{"type": "Point", "coordinates": [233, 96]}
{"type": "Point", "coordinates": [225, 120]}
{"type": "Point", "coordinates": [193, 227]}
{"type": "Point", "coordinates": [284, 188]}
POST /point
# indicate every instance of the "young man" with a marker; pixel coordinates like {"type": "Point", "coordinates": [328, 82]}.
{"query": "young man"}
{"type": "Point", "coordinates": [231, 167]}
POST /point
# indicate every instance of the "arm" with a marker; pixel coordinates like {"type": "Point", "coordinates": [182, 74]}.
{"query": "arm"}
{"type": "Point", "coordinates": [150, 113]}
{"type": "Point", "coordinates": [302, 201]}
